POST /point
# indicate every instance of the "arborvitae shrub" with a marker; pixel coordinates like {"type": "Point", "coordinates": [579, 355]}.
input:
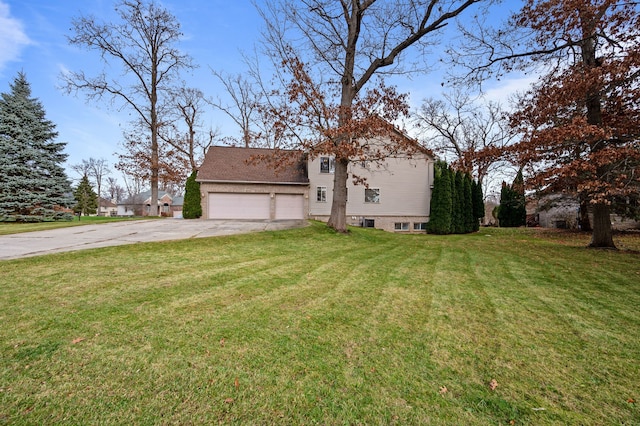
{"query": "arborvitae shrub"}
{"type": "Point", "coordinates": [192, 207]}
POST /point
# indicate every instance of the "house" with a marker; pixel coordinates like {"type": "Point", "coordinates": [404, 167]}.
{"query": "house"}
{"type": "Point", "coordinates": [396, 196]}
{"type": "Point", "coordinates": [562, 210]}
{"type": "Point", "coordinates": [140, 205]}
{"type": "Point", "coordinates": [107, 207]}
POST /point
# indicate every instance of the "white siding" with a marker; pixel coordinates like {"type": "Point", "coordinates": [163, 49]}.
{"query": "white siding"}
{"type": "Point", "coordinates": [405, 188]}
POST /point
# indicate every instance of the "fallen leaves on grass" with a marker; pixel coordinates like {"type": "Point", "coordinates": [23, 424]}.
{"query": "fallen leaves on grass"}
{"type": "Point", "coordinates": [228, 401]}
{"type": "Point", "coordinates": [493, 384]}
{"type": "Point", "coordinates": [222, 341]}
{"type": "Point", "coordinates": [631, 401]}
{"type": "Point", "coordinates": [443, 390]}
{"type": "Point", "coordinates": [236, 383]}
{"type": "Point", "coordinates": [77, 340]}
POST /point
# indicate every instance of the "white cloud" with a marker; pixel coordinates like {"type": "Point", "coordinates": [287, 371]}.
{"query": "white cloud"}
{"type": "Point", "coordinates": [502, 91]}
{"type": "Point", "coordinates": [12, 36]}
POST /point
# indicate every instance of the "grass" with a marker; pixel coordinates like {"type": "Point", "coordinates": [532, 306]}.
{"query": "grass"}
{"type": "Point", "coordinates": [7, 228]}
{"type": "Point", "coordinates": [310, 327]}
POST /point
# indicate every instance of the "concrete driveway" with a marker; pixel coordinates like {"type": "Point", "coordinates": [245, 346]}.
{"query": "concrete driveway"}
{"type": "Point", "coordinates": [118, 233]}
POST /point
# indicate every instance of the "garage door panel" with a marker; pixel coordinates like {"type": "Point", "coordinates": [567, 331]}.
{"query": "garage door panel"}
{"type": "Point", "coordinates": [239, 206]}
{"type": "Point", "coordinates": [289, 206]}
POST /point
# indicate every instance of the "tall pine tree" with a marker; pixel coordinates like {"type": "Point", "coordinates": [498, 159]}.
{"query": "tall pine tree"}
{"type": "Point", "coordinates": [86, 198]}
{"type": "Point", "coordinates": [33, 184]}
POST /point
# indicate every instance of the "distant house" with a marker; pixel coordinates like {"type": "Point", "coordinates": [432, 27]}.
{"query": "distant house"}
{"type": "Point", "coordinates": [140, 205]}
{"type": "Point", "coordinates": [396, 198]}
{"type": "Point", "coordinates": [107, 207]}
{"type": "Point", "coordinates": [563, 211]}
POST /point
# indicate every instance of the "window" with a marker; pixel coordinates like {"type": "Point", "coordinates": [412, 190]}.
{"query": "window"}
{"type": "Point", "coordinates": [369, 223]}
{"type": "Point", "coordinates": [321, 194]}
{"type": "Point", "coordinates": [401, 226]}
{"type": "Point", "coordinates": [420, 226]}
{"type": "Point", "coordinates": [372, 195]}
{"type": "Point", "coordinates": [327, 165]}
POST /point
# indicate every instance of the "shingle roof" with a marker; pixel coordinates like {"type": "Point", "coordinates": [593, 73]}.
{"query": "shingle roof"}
{"type": "Point", "coordinates": [232, 164]}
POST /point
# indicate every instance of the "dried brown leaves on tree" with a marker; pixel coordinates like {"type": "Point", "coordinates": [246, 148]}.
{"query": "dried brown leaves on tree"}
{"type": "Point", "coordinates": [173, 166]}
{"type": "Point", "coordinates": [346, 43]}
{"type": "Point", "coordinates": [579, 122]}
{"type": "Point", "coordinates": [143, 42]}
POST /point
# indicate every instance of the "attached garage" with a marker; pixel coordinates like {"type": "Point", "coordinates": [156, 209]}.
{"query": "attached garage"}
{"type": "Point", "coordinates": [289, 206]}
{"type": "Point", "coordinates": [242, 183]}
{"type": "Point", "coordinates": [239, 206]}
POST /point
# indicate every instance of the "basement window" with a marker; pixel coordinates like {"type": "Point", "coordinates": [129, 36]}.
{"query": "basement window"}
{"type": "Point", "coordinates": [401, 226]}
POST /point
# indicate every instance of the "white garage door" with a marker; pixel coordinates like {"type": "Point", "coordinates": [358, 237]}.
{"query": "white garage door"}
{"type": "Point", "coordinates": [289, 206]}
{"type": "Point", "coordinates": [239, 206]}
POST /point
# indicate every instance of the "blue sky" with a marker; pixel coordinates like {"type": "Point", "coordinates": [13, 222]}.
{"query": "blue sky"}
{"type": "Point", "coordinates": [33, 40]}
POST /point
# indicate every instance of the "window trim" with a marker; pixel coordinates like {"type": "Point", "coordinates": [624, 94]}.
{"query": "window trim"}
{"type": "Point", "coordinates": [401, 226]}
{"type": "Point", "coordinates": [321, 194]}
{"type": "Point", "coordinates": [372, 200]}
{"type": "Point", "coordinates": [327, 165]}
{"type": "Point", "coordinates": [419, 226]}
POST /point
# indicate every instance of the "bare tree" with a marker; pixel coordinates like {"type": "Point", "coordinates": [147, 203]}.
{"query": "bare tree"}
{"type": "Point", "coordinates": [243, 108]}
{"type": "Point", "coordinates": [346, 43]}
{"type": "Point", "coordinates": [115, 191]}
{"type": "Point", "coordinates": [470, 133]}
{"type": "Point", "coordinates": [95, 169]}
{"type": "Point", "coordinates": [143, 43]}
{"type": "Point", "coordinates": [184, 133]}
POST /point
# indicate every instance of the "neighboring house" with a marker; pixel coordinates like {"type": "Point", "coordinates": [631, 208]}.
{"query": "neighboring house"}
{"type": "Point", "coordinates": [554, 211]}
{"type": "Point", "coordinates": [107, 207]}
{"type": "Point", "coordinates": [563, 211]}
{"type": "Point", "coordinates": [234, 186]}
{"type": "Point", "coordinates": [396, 196]}
{"type": "Point", "coordinates": [140, 205]}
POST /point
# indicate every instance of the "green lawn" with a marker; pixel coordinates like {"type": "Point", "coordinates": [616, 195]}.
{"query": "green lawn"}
{"type": "Point", "coordinates": [7, 228]}
{"type": "Point", "coordinates": [311, 327]}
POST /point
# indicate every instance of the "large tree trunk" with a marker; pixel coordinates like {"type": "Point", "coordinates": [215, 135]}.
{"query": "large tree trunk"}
{"type": "Point", "coordinates": [338, 218]}
{"type": "Point", "coordinates": [602, 236]}
{"type": "Point", "coordinates": [585, 223]}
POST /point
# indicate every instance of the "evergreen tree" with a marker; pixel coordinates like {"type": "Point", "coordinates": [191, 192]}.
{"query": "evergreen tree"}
{"type": "Point", "coordinates": [440, 215]}
{"type": "Point", "coordinates": [512, 212]}
{"type": "Point", "coordinates": [519, 201]}
{"type": "Point", "coordinates": [458, 223]}
{"type": "Point", "coordinates": [468, 218]}
{"type": "Point", "coordinates": [33, 184]}
{"type": "Point", "coordinates": [505, 208]}
{"type": "Point", "coordinates": [86, 198]}
{"type": "Point", "coordinates": [478, 204]}
{"type": "Point", "coordinates": [192, 208]}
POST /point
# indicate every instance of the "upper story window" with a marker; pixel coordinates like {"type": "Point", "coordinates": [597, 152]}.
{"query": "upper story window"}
{"type": "Point", "coordinates": [372, 195]}
{"type": "Point", "coordinates": [327, 165]}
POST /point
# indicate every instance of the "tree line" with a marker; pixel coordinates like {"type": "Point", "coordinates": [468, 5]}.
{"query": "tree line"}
{"type": "Point", "coordinates": [457, 204]}
{"type": "Point", "coordinates": [574, 130]}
